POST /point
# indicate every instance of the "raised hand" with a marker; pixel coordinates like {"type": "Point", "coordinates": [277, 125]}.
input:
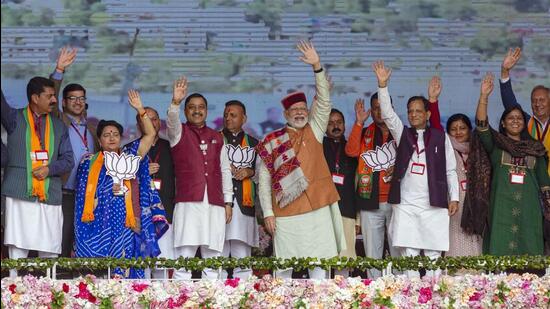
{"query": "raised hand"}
{"type": "Point", "coordinates": [180, 90]}
{"type": "Point", "coordinates": [511, 59]}
{"type": "Point", "coordinates": [65, 58]}
{"type": "Point", "coordinates": [135, 100]}
{"type": "Point", "coordinates": [360, 114]}
{"type": "Point", "coordinates": [434, 89]}
{"type": "Point", "coordinates": [382, 73]}
{"type": "Point", "coordinates": [309, 54]}
{"type": "Point", "coordinates": [487, 85]}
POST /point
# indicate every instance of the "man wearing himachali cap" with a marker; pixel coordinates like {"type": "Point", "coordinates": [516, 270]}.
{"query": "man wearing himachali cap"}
{"type": "Point", "coordinates": [296, 191]}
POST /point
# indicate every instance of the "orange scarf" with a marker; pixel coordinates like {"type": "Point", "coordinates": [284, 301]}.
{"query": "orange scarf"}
{"type": "Point", "coordinates": [536, 131]}
{"type": "Point", "coordinates": [248, 184]}
{"type": "Point", "coordinates": [364, 172]}
{"type": "Point", "coordinates": [90, 200]}
{"type": "Point", "coordinates": [35, 187]}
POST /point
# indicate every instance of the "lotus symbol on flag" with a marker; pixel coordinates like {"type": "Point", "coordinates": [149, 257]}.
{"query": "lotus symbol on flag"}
{"type": "Point", "coordinates": [121, 167]}
{"type": "Point", "coordinates": [381, 158]}
{"type": "Point", "coordinates": [240, 157]}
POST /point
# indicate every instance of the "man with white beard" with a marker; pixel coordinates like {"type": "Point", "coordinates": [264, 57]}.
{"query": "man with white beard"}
{"type": "Point", "coordinates": [296, 190]}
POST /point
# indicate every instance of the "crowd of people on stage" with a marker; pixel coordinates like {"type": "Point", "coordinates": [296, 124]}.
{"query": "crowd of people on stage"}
{"type": "Point", "coordinates": [411, 186]}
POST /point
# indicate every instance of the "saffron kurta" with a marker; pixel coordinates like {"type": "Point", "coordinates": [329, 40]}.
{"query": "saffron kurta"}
{"type": "Point", "coordinates": [107, 235]}
{"type": "Point", "coordinates": [515, 215]}
{"type": "Point", "coordinates": [318, 233]}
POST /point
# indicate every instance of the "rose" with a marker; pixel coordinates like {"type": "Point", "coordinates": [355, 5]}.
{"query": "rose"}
{"type": "Point", "coordinates": [139, 287]}
{"type": "Point", "coordinates": [66, 288]}
{"type": "Point", "coordinates": [425, 295]}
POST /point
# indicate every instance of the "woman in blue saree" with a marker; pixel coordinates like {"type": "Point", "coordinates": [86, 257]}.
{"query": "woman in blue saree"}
{"type": "Point", "coordinates": [114, 220]}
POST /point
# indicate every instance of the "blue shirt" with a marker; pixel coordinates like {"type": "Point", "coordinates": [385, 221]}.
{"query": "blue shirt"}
{"type": "Point", "coordinates": [79, 148]}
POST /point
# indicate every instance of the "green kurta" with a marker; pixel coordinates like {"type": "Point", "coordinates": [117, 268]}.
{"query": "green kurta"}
{"type": "Point", "coordinates": [515, 216]}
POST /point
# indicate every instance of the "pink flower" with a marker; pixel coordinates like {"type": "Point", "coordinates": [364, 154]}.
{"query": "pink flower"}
{"type": "Point", "coordinates": [65, 288]}
{"type": "Point", "coordinates": [84, 293]}
{"type": "Point", "coordinates": [232, 282]}
{"type": "Point", "coordinates": [476, 297]}
{"type": "Point", "coordinates": [525, 285]}
{"type": "Point", "coordinates": [12, 288]}
{"type": "Point", "coordinates": [139, 287]}
{"type": "Point", "coordinates": [425, 295]}
{"type": "Point", "coordinates": [366, 282]}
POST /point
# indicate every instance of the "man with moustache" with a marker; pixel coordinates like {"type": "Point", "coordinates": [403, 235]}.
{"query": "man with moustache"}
{"type": "Point", "coordinates": [424, 185]}
{"type": "Point", "coordinates": [297, 195]}
{"type": "Point", "coordinates": [538, 124]}
{"type": "Point", "coordinates": [81, 134]}
{"type": "Point", "coordinates": [375, 149]}
{"type": "Point", "coordinates": [204, 195]}
{"type": "Point", "coordinates": [39, 153]}
{"type": "Point", "coordinates": [342, 168]}
{"type": "Point", "coordinates": [161, 169]}
{"type": "Point", "coordinates": [241, 234]}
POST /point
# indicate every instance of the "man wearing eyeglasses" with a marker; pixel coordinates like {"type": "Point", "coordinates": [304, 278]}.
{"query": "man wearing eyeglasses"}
{"type": "Point", "coordinates": [81, 134]}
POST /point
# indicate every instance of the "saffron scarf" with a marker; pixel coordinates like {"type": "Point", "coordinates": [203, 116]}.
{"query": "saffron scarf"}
{"type": "Point", "coordinates": [535, 129]}
{"type": "Point", "coordinates": [288, 181]}
{"type": "Point", "coordinates": [35, 187]}
{"type": "Point", "coordinates": [90, 202]}
{"type": "Point", "coordinates": [364, 172]}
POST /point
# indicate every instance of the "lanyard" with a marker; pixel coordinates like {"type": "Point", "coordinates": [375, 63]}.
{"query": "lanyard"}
{"type": "Point", "coordinates": [419, 152]}
{"type": "Point", "coordinates": [37, 126]}
{"type": "Point", "coordinates": [84, 138]}
{"type": "Point", "coordinates": [336, 149]}
{"type": "Point", "coordinates": [539, 136]}
{"type": "Point", "coordinates": [464, 163]}
{"type": "Point", "coordinates": [157, 155]}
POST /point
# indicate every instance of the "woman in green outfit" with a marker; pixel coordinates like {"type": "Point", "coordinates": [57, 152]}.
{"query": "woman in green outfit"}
{"type": "Point", "coordinates": [514, 168]}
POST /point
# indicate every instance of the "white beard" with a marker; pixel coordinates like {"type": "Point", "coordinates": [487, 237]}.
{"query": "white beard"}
{"type": "Point", "coordinates": [297, 124]}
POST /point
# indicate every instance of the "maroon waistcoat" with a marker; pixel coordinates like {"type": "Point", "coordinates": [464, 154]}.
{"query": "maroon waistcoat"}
{"type": "Point", "coordinates": [436, 165]}
{"type": "Point", "coordinates": [194, 168]}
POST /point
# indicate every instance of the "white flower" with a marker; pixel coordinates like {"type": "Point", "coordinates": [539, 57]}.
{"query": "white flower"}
{"type": "Point", "coordinates": [240, 157]}
{"type": "Point", "coordinates": [382, 158]}
{"type": "Point", "coordinates": [121, 167]}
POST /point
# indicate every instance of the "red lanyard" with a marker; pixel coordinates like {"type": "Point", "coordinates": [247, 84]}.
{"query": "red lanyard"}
{"type": "Point", "coordinates": [83, 138]}
{"type": "Point", "coordinates": [464, 163]}
{"type": "Point", "coordinates": [37, 127]}
{"type": "Point", "coordinates": [537, 123]}
{"type": "Point", "coordinates": [157, 156]}
{"type": "Point", "coordinates": [337, 155]}
{"type": "Point", "coordinates": [418, 152]}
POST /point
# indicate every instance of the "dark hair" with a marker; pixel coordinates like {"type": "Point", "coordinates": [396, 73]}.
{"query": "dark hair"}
{"type": "Point", "coordinates": [195, 95]}
{"type": "Point", "coordinates": [336, 111]}
{"type": "Point", "coordinates": [73, 87]}
{"type": "Point", "coordinates": [524, 135]}
{"type": "Point", "coordinates": [459, 117]}
{"type": "Point", "coordinates": [236, 103]}
{"type": "Point", "coordinates": [421, 98]}
{"type": "Point", "coordinates": [539, 87]}
{"type": "Point", "coordinates": [374, 96]}
{"type": "Point", "coordinates": [36, 86]}
{"type": "Point", "coordinates": [104, 123]}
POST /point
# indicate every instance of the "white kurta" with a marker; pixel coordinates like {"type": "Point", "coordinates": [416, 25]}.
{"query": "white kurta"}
{"type": "Point", "coordinates": [242, 227]}
{"type": "Point", "coordinates": [414, 223]}
{"type": "Point", "coordinates": [318, 233]}
{"type": "Point", "coordinates": [42, 228]}
{"type": "Point", "coordinates": [199, 223]}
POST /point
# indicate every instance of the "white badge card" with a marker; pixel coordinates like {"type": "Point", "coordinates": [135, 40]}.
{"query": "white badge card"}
{"type": "Point", "coordinates": [41, 155]}
{"type": "Point", "coordinates": [338, 178]}
{"type": "Point", "coordinates": [418, 168]}
{"type": "Point", "coordinates": [158, 183]}
{"type": "Point", "coordinates": [463, 185]}
{"type": "Point", "coordinates": [517, 179]}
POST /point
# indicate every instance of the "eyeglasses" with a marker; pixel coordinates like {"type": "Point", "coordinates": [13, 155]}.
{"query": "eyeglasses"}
{"type": "Point", "coordinates": [74, 99]}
